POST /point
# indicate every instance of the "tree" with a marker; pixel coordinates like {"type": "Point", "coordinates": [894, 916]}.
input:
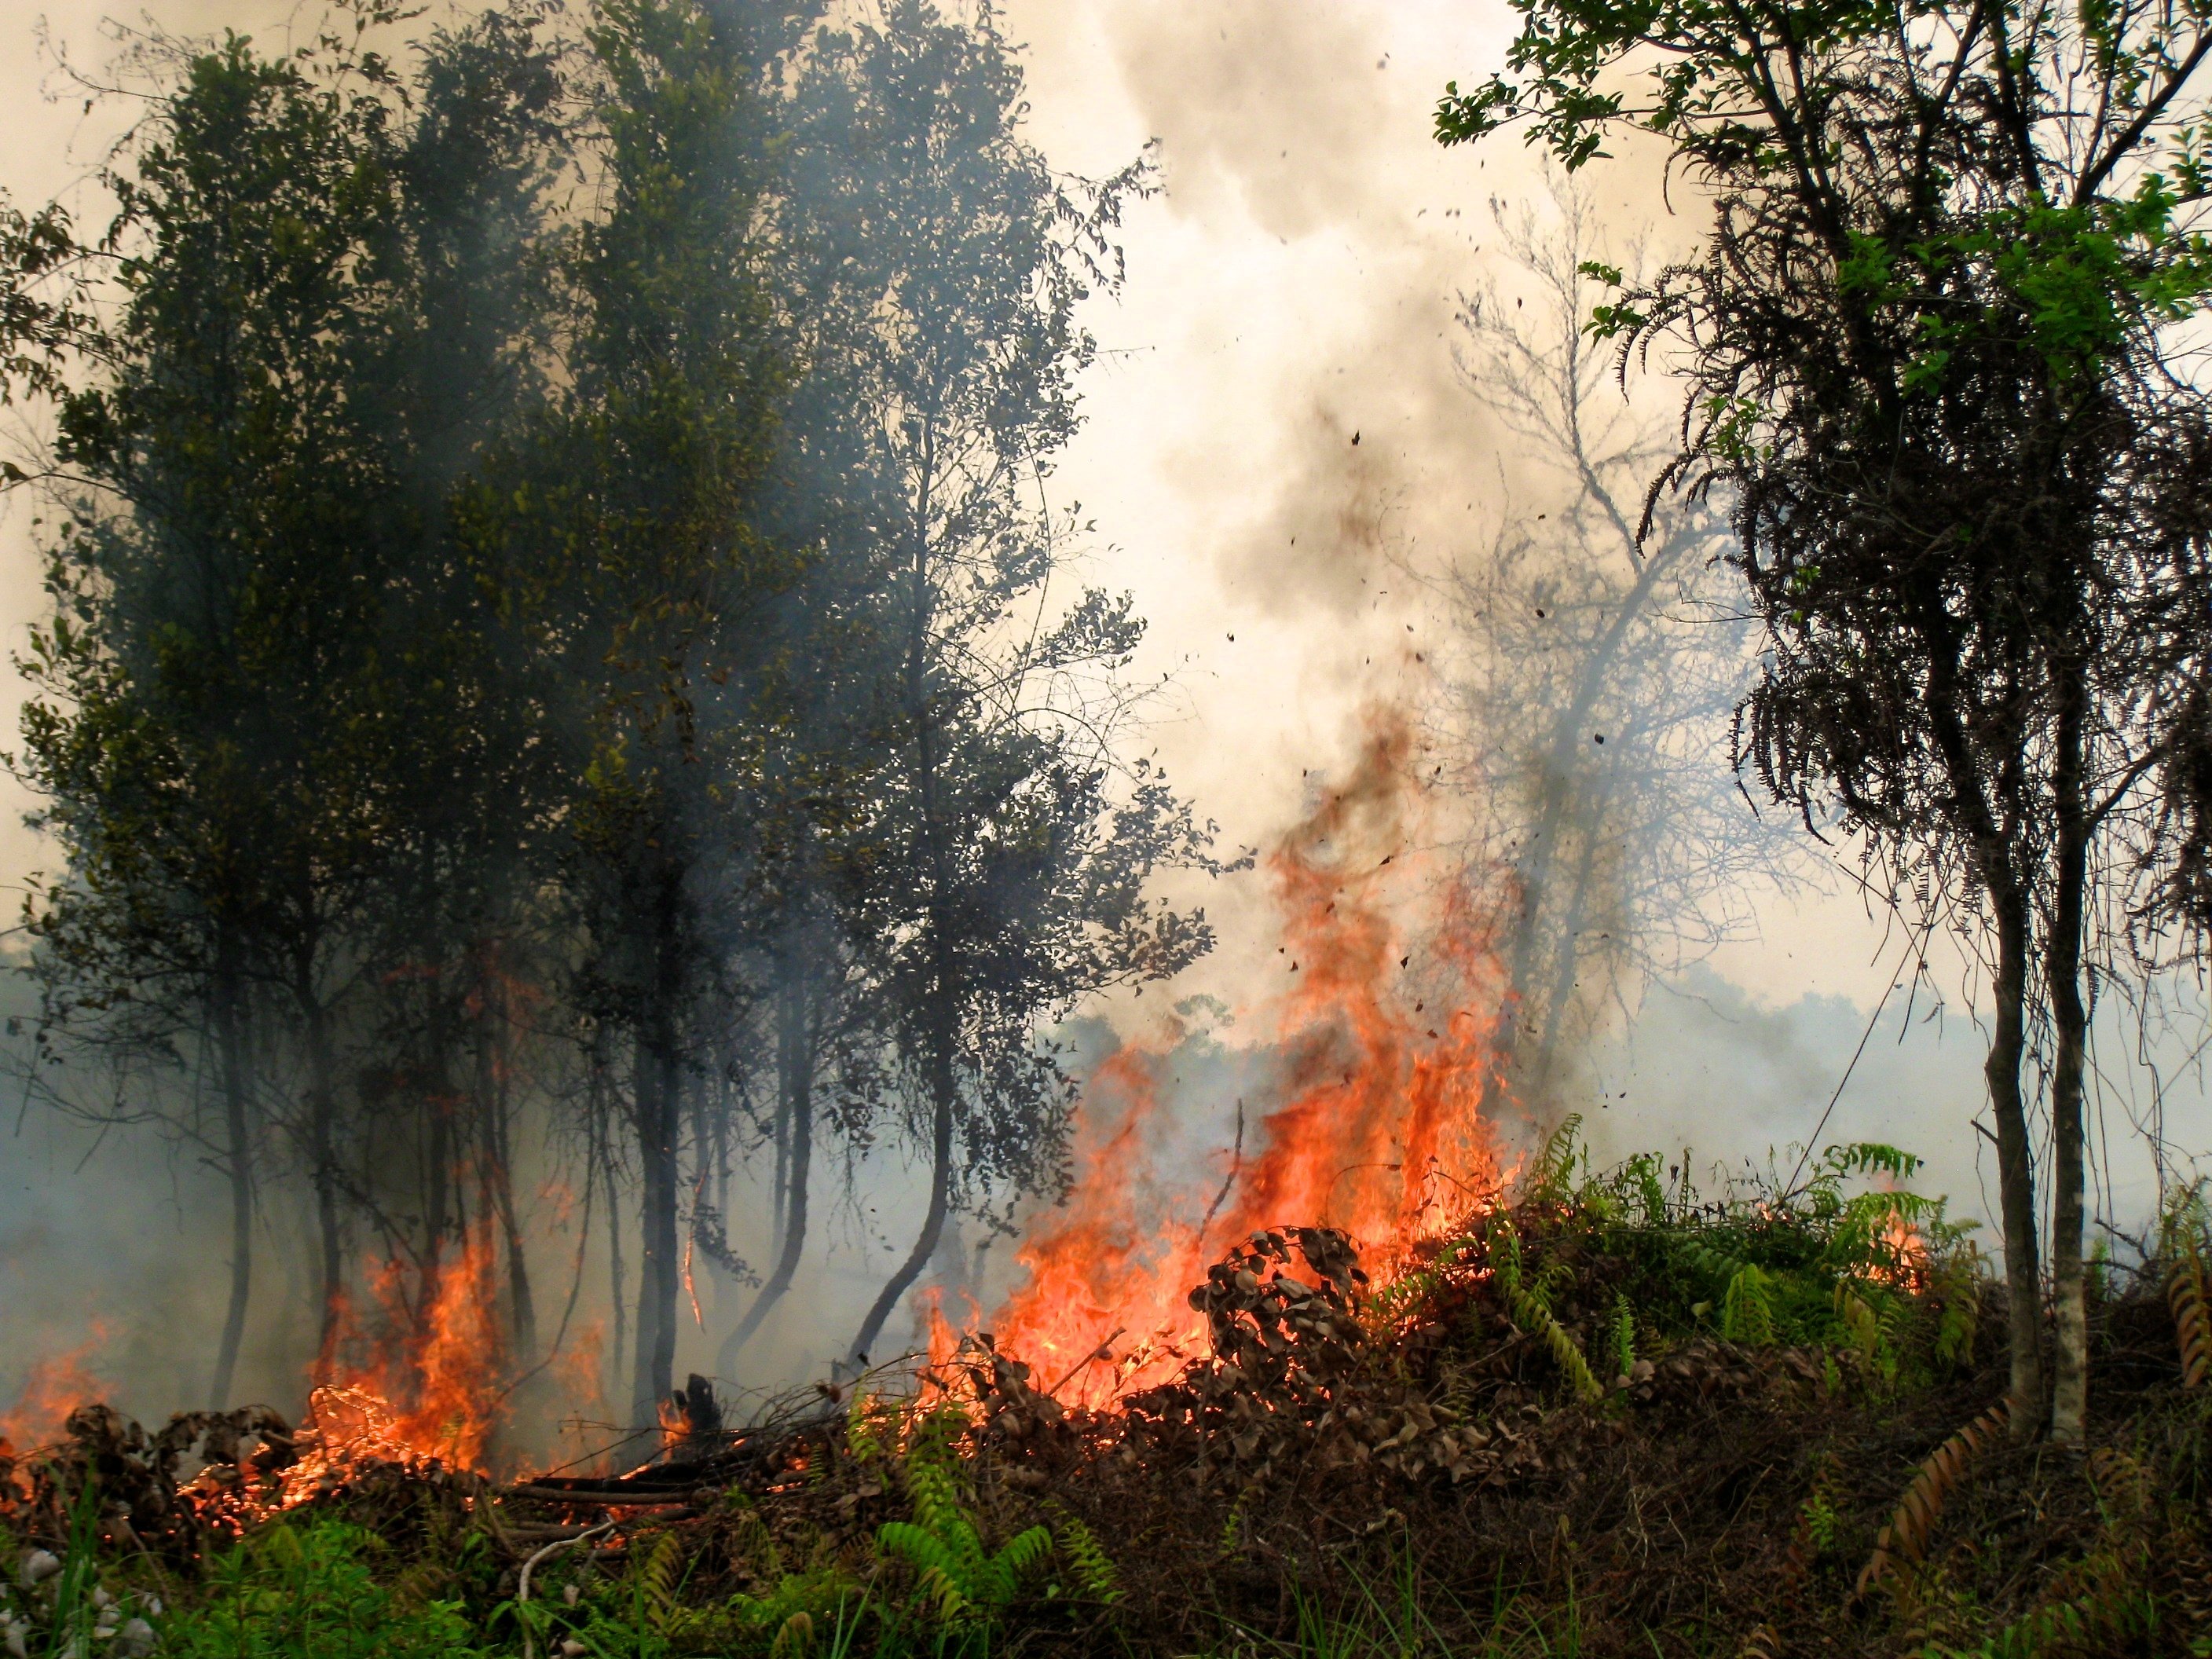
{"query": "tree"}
{"type": "Point", "coordinates": [193, 732]}
{"type": "Point", "coordinates": [316, 282]}
{"type": "Point", "coordinates": [1002, 875]}
{"type": "Point", "coordinates": [1927, 354]}
{"type": "Point", "coordinates": [622, 541]}
{"type": "Point", "coordinates": [1598, 668]}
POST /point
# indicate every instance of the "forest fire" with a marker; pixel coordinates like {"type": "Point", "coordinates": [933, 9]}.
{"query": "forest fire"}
{"type": "Point", "coordinates": [421, 1385]}
{"type": "Point", "coordinates": [1380, 1131]}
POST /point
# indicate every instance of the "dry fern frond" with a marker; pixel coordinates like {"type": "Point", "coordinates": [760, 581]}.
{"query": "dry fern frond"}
{"type": "Point", "coordinates": [1913, 1520]}
{"type": "Point", "coordinates": [2192, 1318]}
{"type": "Point", "coordinates": [1765, 1642]}
{"type": "Point", "coordinates": [2123, 1485]}
{"type": "Point", "coordinates": [795, 1637]}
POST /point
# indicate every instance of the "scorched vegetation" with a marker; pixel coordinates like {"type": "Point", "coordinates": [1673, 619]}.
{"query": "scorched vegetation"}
{"type": "Point", "coordinates": [1613, 1415]}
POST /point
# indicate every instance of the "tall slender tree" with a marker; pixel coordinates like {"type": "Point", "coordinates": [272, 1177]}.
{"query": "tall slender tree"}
{"type": "Point", "coordinates": [1928, 349]}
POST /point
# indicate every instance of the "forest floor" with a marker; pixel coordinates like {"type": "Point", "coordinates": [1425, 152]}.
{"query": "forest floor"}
{"type": "Point", "coordinates": [1608, 1418]}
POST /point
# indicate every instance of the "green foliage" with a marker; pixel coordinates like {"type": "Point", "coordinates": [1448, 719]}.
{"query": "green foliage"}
{"type": "Point", "coordinates": [958, 1579]}
{"type": "Point", "coordinates": [1089, 1566]}
{"type": "Point", "coordinates": [308, 1592]}
{"type": "Point", "coordinates": [1845, 1259]}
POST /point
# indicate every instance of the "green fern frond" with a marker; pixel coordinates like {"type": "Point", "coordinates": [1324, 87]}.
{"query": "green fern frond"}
{"type": "Point", "coordinates": [1624, 1334]}
{"type": "Point", "coordinates": [1532, 1315]}
{"type": "Point", "coordinates": [939, 1569]}
{"type": "Point", "coordinates": [1088, 1564]}
{"type": "Point", "coordinates": [1001, 1580]}
{"type": "Point", "coordinates": [861, 1438]}
{"type": "Point", "coordinates": [1747, 1307]}
{"type": "Point", "coordinates": [658, 1577]}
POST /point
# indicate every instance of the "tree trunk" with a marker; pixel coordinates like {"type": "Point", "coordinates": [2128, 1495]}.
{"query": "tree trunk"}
{"type": "Point", "coordinates": [2015, 1163]}
{"type": "Point", "coordinates": [494, 1103]}
{"type": "Point", "coordinates": [2069, 1017]}
{"type": "Point", "coordinates": [794, 1054]}
{"type": "Point", "coordinates": [653, 1376]}
{"type": "Point", "coordinates": [942, 1094]}
{"type": "Point", "coordinates": [618, 1274]}
{"type": "Point", "coordinates": [1564, 765]}
{"type": "Point", "coordinates": [322, 1119]}
{"type": "Point", "coordinates": [230, 1044]}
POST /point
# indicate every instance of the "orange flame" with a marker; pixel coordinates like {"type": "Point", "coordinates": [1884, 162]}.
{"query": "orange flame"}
{"type": "Point", "coordinates": [1379, 1131]}
{"type": "Point", "coordinates": [51, 1391]}
{"type": "Point", "coordinates": [424, 1385]}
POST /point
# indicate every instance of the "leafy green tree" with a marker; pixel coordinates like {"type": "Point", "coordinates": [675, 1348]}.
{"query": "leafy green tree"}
{"type": "Point", "coordinates": [198, 733]}
{"type": "Point", "coordinates": [622, 543]}
{"type": "Point", "coordinates": [1002, 873]}
{"type": "Point", "coordinates": [1929, 354]}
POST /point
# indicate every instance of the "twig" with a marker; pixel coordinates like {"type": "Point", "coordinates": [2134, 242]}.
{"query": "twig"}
{"type": "Point", "coordinates": [522, 1584]}
{"type": "Point", "coordinates": [1099, 1352]}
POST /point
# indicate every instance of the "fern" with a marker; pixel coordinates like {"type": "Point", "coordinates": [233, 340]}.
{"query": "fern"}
{"type": "Point", "coordinates": [1550, 1172]}
{"type": "Point", "coordinates": [1623, 1335]}
{"type": "Point", "coordinates": [1531, 1315]}
{"type": "Point", "coordinates": [1914, 1519]}
{"type": "Point", "coordinates": [1747, 1307]}
{"type": "Point", "coordinates": [941, 1543]}
{"type": "Point", "coordinates": [1088, 1564]}
{"type": "Point", "coordinates": [658, 1576]}
{"type": "Point", "coordinates": [861, 1439]}
{"type": "Point", "coordinates": [2186, 1297]}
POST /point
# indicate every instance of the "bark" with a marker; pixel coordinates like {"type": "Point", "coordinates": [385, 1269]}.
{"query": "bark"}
{"type": "Point", "coordinates": [2008, 901]}
{"type": "Point", "coordinates": [654, 1374]}
{"type": "Point", "coordinates": [437, 1217]}
{"type": "Point", "coordinates": [230, 1044]}
{"type": "Point", "coordinates": [618, 1274]}
{"type": "Point", "coordinates": [2015, 1167]}
{"type": "Point", "coordinates": [943, 1092]}
{"type": "Point", "coordinates": [322, 1121]}
{"type": "Point", "coordinates": [494, 1111]}
{"type": "Point", "coordinates": [2070, 1018]}
{"type": "Point", "coordinates": [795, 1052]}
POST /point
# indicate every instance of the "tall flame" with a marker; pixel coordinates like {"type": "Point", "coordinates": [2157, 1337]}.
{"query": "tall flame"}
{"type": "Point", "coordinates": [1380, 1128]}
{"type": "Point", "coordinates": [413, 1384]}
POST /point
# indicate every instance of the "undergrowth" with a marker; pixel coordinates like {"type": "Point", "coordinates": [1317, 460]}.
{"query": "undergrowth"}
{"type": "Point", "coordinates": [1616, 1415]}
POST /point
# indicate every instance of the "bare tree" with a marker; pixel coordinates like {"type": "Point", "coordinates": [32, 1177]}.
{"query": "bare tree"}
{"type": "Point", "coordinates": [1589, 705]}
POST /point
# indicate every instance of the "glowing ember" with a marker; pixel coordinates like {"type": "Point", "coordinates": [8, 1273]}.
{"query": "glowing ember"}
{"type": "Point", "coordinates": [1379, 1131]}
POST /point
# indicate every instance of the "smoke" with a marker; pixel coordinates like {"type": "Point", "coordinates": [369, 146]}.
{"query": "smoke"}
{"type": "Point", "coordinates": [1281, 456]}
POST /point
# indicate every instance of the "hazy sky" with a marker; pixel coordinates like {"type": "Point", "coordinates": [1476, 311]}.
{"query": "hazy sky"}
{"type": "Point", "coordinates": [1290, 290]}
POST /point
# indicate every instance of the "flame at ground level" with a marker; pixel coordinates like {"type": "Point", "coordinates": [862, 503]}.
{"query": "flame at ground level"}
{"type": "Point", "coordinates": [1381, 1128]}
{"type": "Point", "coordinates": [52, 1388]}
{"type": "Point", "coordinates": [421, 1380]}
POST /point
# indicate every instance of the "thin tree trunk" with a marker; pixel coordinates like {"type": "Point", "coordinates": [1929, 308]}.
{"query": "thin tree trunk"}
{"type": "Point", "coordinates": [653, 1377]}
{"type": "Point", "coordinates": [617, 1275]}
{"type": "Point", "coordinates": [437, 1217]}
{"type": "Point", "coordinates": [493, 1108]}
{"type": "Point", "coordinates": [238, 1131]}
{"type": "Point", "coordinates": [1563, 764]}
{"type": "Point", "coordinates": [322, 1117]}
{"type": "Point", "coordinates": [2069, 1017]}
{"type": "Point", "coordinates": [2015, 1163]}
{"type": "Point", "coordinates": [794, 1054]}
{"type": "Point", "coordinates": [942, 1089]}
{"type": "Point", "coordinates": [2008, 901]}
